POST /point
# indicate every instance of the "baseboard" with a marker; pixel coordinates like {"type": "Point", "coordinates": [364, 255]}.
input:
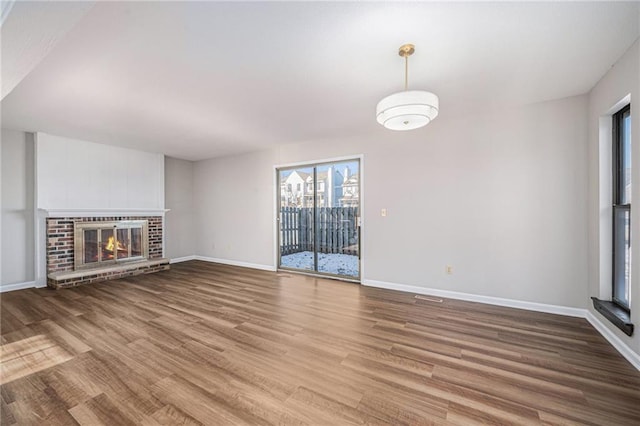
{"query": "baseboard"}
{"type": "Point", "coordinates": [236, 263]}
{"type": "Point", "coordinates": [183, 259]}
{"type": "Point", "coordinates": [18, 286]}
{"type": "Point", "coordinates": [511, 303]}
{"type": "Point", "coordinates": [615, 341]}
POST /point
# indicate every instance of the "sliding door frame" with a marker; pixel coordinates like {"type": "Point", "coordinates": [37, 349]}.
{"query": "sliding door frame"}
{"type": "Point", "coordinates": [276, 212]}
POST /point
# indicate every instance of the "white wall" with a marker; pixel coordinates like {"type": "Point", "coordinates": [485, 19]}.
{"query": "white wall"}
{"type": "Point", "coordinates": [233, 205]}
{"type": "Point", "coordinates": [179, 227]}
{"type": "Point", "coordinates": [622, 79]}
{"type": "Point", "coordinates": [73, 174]}
{"type": "Point", "coordinates": [500, 196]}
{"type": "Point", "coordinates": [17, 221]}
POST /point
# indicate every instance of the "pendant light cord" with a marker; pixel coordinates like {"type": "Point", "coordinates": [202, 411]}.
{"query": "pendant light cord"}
{"type": "Point", "coordinates": [406, 73]}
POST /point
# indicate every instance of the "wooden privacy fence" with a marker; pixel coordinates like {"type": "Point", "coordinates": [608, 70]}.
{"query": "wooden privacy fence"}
{"type": "Point", "coordinates": [336, 229]}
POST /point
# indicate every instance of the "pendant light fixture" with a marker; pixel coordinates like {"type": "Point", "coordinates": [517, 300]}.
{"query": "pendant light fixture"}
{"type": "Point", "coordinates": [409, 109]}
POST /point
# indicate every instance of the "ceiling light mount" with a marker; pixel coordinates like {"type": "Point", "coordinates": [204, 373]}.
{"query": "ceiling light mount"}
{"type": "Point", "coordinates": [410, 109]}
{"type": "Point", "coordinates": [406, 50]}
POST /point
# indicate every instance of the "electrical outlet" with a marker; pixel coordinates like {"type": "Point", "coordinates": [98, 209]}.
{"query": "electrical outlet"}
{"type": "Point", "coordinates": [449, 269]}
{"type": "Point", "coordinates": [383, 212]}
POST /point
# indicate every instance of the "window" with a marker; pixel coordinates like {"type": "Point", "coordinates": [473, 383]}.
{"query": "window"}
{"type": "Point", "coordinates": [298, 187]}
{"type": "Point", "coordinates": [622, 207]}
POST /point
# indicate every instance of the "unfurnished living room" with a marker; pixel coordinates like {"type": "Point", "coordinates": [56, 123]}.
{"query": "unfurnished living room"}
{"type": "Point", "coordinates": [319, 213]}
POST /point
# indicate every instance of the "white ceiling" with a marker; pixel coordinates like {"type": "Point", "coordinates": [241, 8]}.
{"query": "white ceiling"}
{"type": "Point", "coordinates": [199, 80]}
{"type": "Point", "coordinates": [31, 33]}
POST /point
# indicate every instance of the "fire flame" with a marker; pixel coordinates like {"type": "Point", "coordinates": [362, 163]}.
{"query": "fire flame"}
{"type": "Point", "coordinates": [112, 243]}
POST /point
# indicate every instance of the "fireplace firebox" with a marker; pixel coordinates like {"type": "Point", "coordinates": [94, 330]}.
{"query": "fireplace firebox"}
{"type": "Point", "coordinates": [98, 244]}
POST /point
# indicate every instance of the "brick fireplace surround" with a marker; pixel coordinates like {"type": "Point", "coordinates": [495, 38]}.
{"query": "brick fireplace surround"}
{"type": "Point", "coordinates": [60, 253]}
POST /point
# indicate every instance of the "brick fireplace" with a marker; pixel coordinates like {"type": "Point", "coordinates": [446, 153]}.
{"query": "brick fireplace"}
{"type": "Point", "coordinates": [120, 250]}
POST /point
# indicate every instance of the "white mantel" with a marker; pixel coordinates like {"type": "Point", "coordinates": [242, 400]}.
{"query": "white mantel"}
{"type": "Point", "coordinates": [100, 212]}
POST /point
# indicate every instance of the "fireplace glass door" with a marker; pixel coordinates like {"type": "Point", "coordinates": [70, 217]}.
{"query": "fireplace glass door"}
{"type": "Point", "coordinates": [107, 244]}
{"type": "Point", "coordinates": [123, 243]}
{"type": "Point", "coordinates": [102, 243]}
{"type": "Point", "coordinates": [136, 242]}
{"type": "Point", "coordinates": [91, 246]}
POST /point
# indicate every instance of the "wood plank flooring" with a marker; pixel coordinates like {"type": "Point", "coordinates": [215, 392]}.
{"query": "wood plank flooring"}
{"type": "Point", "coordinates": [213, 344]}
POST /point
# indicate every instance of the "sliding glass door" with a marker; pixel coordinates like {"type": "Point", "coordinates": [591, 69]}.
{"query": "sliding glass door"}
{"type": "Point", "coordinates": [319, 218]}
{"type": "Point", "coordinates": [297, 241]}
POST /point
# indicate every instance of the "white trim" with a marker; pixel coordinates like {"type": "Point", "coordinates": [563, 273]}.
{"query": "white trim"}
{"type": "Point", "coordinates": [362, 221]}
{"type": "Point", "coordinates": [320, 161]}
{"type": "Point", "coordinates": [626, 100]}
{"type": "Point", "coordinates": [161, 180]}
{"type": "Point", "coordinates": [19, 286]}
{"type": "Point", "coordinates": [41, 248]}
{"type": "Point", "coordinates": [38, 269]}
{"type": "Point", "coordinates": [236, 263]}
{"type": "Point", "coordinates": [101, 212]}
{"type": "Point", "coordinates": [183, 259]}
{"type": "Point", "coordinates": [40, 229]}
{"type": "Point", "coordinates": [511, 303]}
{"type": "Point", "coordinates": [605, 201]}
{"type": "Point", "coordinates": [274, 219]}
{"type": "Point", "coordinates": [614, 340]}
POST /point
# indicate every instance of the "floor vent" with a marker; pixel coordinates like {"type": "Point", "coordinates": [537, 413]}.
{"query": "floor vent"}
{"type": "Point", "coordinates": [428, 298]}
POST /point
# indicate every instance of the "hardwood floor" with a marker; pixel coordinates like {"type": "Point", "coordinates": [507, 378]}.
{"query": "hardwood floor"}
{"type": "Point", "coordinates": [214, 344]}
